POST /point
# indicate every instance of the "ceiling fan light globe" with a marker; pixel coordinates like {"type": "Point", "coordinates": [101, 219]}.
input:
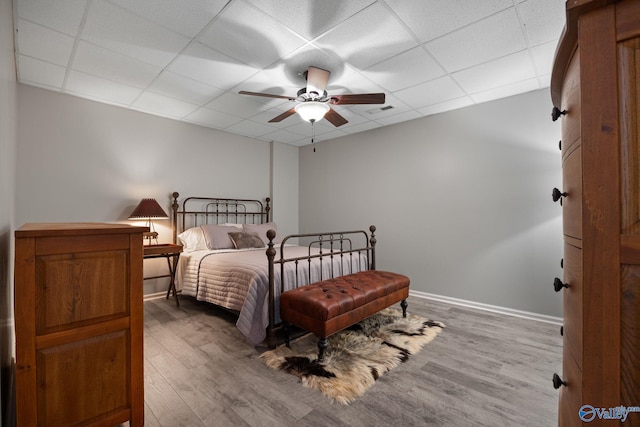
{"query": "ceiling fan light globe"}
{"type": "Point", "coordinates": [312, 111]}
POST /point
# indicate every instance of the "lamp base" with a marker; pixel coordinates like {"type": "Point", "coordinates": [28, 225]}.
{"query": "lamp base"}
{"type": "Point", "coordinates": [149, 236]}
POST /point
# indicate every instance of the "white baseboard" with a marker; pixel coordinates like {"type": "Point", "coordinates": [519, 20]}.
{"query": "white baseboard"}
{"type": "Point", "coordinates": [492, 308]}
{"type": "Point", "coordinates": [157, 295]}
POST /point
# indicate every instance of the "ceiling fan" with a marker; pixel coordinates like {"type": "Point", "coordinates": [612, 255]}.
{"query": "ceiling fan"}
{"type": "Point", "coordinates": [314, 103]}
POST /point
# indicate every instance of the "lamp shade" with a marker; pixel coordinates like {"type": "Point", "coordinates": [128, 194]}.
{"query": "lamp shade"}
{"type": "Point", "coordinates": [312, 111]}
{"type": "Point", "coordinates": [147, 209]}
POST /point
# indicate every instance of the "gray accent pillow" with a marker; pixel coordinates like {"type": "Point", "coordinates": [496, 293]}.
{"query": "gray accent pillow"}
{"type": "Point", "coordinates": [243, 240]}
{"type": "Point", "coordinates": [217, 236]}
{"type": "Point", "coordinates": [262, 229]}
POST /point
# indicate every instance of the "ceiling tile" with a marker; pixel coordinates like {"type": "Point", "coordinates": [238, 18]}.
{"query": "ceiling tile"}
{"type": "Point", "coordinates": [507, 90]}
{"type": "Point", "coordinates": [100, 89]}
{"type": "Point", "coordinates": [542, 19]}
{"type": "Point", "coordinates": [184, 17]}
{"type": "Point", "coordinates": [311, 18]}
{"type": "Point", "coordinates": [273, 81]}
{"type": "Point", "coordinates": [47, 45]}
{"type": "Point", "coordinates": [367, 38]}
{"type": "Point", "coordinates": [250, 128]}
{"type": "Point", "coordinates": [486, 40]}
{"type": "Point", "coordinates": [121, 31]}
{"type": "Point", "coordinates": [407, 69]}
{"type": "Point", "coordinates": [429, 19]}
{"type": "Point", "coordinates": [235, 34]}
{"type": "Point", "coordinates": [429, 93]}
{"type": "Point", "coordinates": [361, 127]}
{"type": "Point", "coordinates": [266, 115]}
{"type": "Point", "coordinates": [211, 67]}
{"type": "Point", "coordinates": [543, 57]}
{"type": "Point", "coordinates": [398, 118]}
{"type": "Point", "coordinates": [440, 107]}
{"type": "Point", "coordinates": [284, 136]}
{"type": "Point", "coordinates": [64, 16]}
{"type": "Point", "coordinates": [494, 74]}
{"type": "Point", "coordinates": [163, 105]}
{"type": "Point", "coordinates": [211, 118]}
{"type": "Point", "coordinates": [184, 88]}
{"type": "Point", "coordinates": [114, 66]}
{"type": "Point", "coordinates": [39, 73]}
{"type": "Point", "coordinates": [238, 105]}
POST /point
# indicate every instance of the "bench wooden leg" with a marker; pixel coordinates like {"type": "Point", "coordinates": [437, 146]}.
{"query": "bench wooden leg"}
{"type": "Point", "coordinates": [323, 343]}
{"type": "Point", "coordinates": [287, 330]}
{"type": "Point", "coordinates": [404, 306]}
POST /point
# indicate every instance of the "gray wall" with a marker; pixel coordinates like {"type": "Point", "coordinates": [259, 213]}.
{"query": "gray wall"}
{"type": "Point", "coordinates": [462, 200]}
{"type": "Point", "coordinates": [80, 160]}
{"type": "Point", "coordinates": [8, 142]}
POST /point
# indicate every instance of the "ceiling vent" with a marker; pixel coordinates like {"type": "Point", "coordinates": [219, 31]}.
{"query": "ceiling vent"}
{"type": "Point", "coordinates": [380, 110]}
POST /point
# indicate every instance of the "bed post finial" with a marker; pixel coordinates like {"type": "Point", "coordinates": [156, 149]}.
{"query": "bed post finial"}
{"type": "Point", "coordinates": [271, 254]}
{"type": "Point", "coordinates": [174, 216]}
{"type": "Point", "coordinates": [372, 242]}
{"type": "Point", "coordinates": [267, 208]}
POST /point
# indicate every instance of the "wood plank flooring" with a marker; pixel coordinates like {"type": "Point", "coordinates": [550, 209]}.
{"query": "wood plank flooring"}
{"type": "Point", "coordinates": [484, 369]}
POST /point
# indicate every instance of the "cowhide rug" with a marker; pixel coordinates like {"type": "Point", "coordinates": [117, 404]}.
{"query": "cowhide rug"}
{"type": "Point", "coordinates": [356, 357]}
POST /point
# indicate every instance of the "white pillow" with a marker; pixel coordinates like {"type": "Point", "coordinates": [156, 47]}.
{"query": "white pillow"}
{"type": "Point", "coordinates": [262, 229]}
{"type": "Point", "coordinates": [192, 239]}
{"type": "Point", "coordinates": [217, 236]}
{"type": "Point", "coordinates": [233, 224]}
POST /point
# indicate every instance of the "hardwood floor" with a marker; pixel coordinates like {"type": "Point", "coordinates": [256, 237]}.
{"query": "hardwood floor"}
{"type": "Point", "coordinates": [484, 369]}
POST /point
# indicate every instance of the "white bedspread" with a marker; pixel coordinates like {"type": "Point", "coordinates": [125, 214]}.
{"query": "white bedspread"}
{"type": "Point", "coordinates": [239, 280]}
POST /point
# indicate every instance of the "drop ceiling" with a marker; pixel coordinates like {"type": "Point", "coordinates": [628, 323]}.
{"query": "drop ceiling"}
{"type": "Point", "coordinates": [187, 60]}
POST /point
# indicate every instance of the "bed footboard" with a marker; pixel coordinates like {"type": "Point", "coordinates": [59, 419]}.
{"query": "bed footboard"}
{"type": "Point", "coordinates": [343, 252]}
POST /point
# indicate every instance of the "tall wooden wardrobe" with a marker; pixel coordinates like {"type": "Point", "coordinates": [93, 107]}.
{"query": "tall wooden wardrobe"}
{"type": "Point", "coordinates": [595, 90]}
{"type": "Point", "coordinates": [79, 325]}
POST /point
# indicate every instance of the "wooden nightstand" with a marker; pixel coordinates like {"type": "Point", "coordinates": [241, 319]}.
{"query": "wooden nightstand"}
{"type": "Point", "coordinates": [168, 251]}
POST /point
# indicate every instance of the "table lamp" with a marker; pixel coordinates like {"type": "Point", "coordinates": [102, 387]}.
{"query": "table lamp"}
{"type": "Point", "coordinates": [149, 209]}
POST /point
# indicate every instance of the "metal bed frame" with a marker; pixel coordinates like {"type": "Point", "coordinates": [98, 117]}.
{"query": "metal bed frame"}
{"type": "Point", "coordinates": [328, 247]}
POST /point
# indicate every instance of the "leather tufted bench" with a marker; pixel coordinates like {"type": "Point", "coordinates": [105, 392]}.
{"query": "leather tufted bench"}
{"type": "Point", "coordinates": [329, 306]}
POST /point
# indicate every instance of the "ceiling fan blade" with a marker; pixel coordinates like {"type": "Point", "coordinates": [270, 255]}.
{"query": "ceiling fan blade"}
{"type": "Point", "coordinates": [334, 118]}
{"type": "Point", "coordinates": [357, 98]}
{"type": "Point", "coordinates": [283, 116]}
{"type": "Point", "coordinates": [317, 79]}
{"type": "Point", "coordinates": [266, 95]}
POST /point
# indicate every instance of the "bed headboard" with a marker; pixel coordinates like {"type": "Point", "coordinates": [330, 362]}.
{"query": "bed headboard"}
{"type": "Point", "coordinates": [195, 211]}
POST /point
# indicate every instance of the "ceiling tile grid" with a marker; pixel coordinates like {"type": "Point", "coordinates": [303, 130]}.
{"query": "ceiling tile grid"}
{"type": "Point", "coordinates": [188, 60]}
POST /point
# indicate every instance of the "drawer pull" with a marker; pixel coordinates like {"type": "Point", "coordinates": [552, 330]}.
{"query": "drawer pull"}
{"type": "Point", "coordinates": [562, 330]}
{"type": "Point", "coordinates": [561, 262]}
{"type": "Point", "coordinates": [560, 145]}
{"type": "Point", "coordinates": [558, 195]}
{"type": "Point", "coordinates": [558, 285]}
{"type": "Point", "coordinates": [556, 113]}
{"type": "Point", "coordinates": [557, 381]}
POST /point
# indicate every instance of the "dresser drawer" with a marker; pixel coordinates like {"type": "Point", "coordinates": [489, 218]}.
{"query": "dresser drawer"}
{"type": "Point", "coordinates": [571, 104]}
{"type": "Point", "coordinates": [571, 393]}
{"type": "Point", "coordinates": [572, 302]}
{"type": "Point", "coordinates": [572, 185]}
{"type": "Point", "coordinates": [74, 290]}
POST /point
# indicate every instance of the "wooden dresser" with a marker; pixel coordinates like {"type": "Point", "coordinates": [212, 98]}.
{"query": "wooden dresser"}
{"type": "Point", "coordinates": [79, 324]}
{"type": "Point", "coordinates": [595, 89]}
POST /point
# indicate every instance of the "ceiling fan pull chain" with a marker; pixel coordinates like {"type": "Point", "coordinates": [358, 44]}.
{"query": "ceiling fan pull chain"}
{"type": "Point", "coordinates": [313, 136]}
